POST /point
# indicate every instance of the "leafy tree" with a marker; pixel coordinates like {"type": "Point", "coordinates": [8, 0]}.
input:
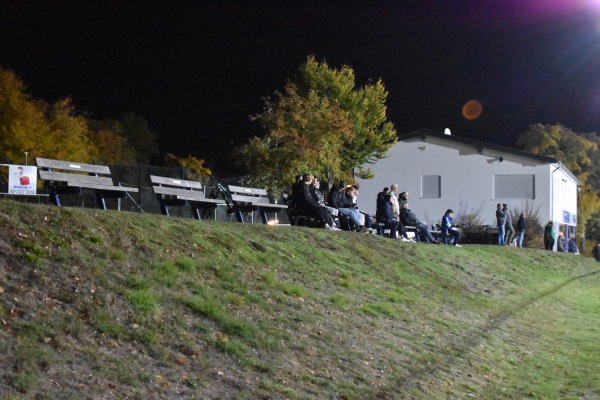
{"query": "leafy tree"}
{"type": "Point", "coordinates": [372, 135]}
{"type": "Point", "coordinates": [305, 134]}
{"type": "Point", "coordinates": [66, 137]}
{"type": "Point", "coordinates": [593, 178]}
{"type": "Point", "coordinates": [191, 164]}
{"type": "Point", "coordinates": [127, 140]}
{"type": "Point", "coordinates": [322, 124]}
{"type": "Point", "coordinates": [22, 122]}
{"type": "Point", "coordinates": [41, 129]}
{"type": "Point", "coordinates": [579, 152]}
{"type": "Point", "coordinates": [59, 131]}
{"type": "Point", "coordinates": [139, 137]}
{"type": "Point", "coordinates": [112, 147]}
{"type": "Point", "coordinates": [558, 141]}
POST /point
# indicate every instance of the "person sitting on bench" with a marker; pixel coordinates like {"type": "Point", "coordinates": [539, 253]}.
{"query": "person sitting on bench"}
{"type": "Point", "coordinates": [448, 230]}
{"type": "Point", "coordinates": [409, 218]}
{"type": "Point", "coordinates": [343, 203]}
{"type": "Point", "coordinates": [305, 202]}
{"type": "Point", "coordinates": [319, 197]}
{"type": "Point", "coordinates": [383, 213]}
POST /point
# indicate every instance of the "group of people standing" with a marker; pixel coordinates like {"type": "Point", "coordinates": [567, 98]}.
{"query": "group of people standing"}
{"type": "Point", "coordinates": [562, 244]}
{"type": "Point", "coordinates": [506, 230]}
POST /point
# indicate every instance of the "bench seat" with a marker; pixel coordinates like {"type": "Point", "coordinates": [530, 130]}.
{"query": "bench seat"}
{"type": "Point", "coordinates": [68, 177]}
{"type": "Point", "coordinates": [180, 192]}
{"type": "Point", "coordinates": [247, 199]}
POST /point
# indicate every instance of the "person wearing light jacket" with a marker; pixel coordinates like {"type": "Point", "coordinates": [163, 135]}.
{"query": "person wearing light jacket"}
{"type": "Point", "coordinates": [508, 227]}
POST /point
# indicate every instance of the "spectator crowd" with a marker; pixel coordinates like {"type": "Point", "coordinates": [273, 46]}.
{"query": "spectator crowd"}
{"type": "Point", "coordinates": [310, 205]}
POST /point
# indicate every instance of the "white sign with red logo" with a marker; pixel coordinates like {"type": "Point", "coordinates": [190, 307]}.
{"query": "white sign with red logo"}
{"type": "Point", "coordinates": [22, 179]}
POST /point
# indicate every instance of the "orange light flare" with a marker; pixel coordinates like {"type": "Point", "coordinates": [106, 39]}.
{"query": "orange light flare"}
{"type": "Point", "coordinates": [472, 110]}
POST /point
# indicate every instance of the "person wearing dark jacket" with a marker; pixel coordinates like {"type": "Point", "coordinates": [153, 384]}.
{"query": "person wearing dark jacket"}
{"type": "Point", "coordinates": [596, 252]}
{"type": "Point", "coordinates": [549, 236]}
{"type": "Point", "coordinates": [448, 229]}
{"type": "Point", "coordinates": [319, 197]}
{"type": "Point", "coordinates": [383, 213]}
{"type": "Point", "coordinates": [521, 229]}
{"type": "Point", "coordinates": [410, 219]}
{"type": "Point", "coordinates": [305, 202]}
{"type": "Point", "coordinates": [500, 221]}
{"type": "Point", "coordinates": [344, 205]}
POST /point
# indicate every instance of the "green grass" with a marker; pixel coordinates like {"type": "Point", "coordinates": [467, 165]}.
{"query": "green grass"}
{"type": "Point", "coordinates": [143, 299]}
{"type": "Point", "coordinates": [156, 307]}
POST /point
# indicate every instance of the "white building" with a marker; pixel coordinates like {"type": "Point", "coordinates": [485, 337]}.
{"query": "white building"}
{"type": "Point", "coordinates": [441, 171]}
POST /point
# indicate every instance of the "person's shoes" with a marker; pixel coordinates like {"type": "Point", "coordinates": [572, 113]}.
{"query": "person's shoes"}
{"type": "Point", "coordinates": [360, 228]}
{"type": "Point", "coordinates": [331, 228]}
{"type": "Point", "coordinates": [411, 240]}
{"type": "Point", "coordinates": [402, 238]}
{"type": "Point", "coordinates": [457, 245]}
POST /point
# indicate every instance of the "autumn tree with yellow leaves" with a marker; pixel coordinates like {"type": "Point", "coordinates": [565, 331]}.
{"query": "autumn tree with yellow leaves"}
{"type": "Point", "coordinates": [60, 131]}
{"type": "Point", "coordinates": [580, 153]}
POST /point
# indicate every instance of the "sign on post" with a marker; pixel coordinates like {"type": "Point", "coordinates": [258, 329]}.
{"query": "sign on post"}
{"type": "Point", "coordinates": [22, 180]}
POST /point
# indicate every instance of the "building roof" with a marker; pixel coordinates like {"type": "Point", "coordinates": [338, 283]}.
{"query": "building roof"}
{"type": "Point", "coordinates": [425, 133]}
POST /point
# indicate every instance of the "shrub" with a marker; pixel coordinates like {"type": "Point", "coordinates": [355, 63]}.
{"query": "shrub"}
{"type": "Point", "coordinates": [534, 229]}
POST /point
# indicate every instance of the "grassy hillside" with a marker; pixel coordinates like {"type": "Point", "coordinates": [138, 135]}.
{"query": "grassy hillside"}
{"type": "Point", "coordinates": [103, 304]}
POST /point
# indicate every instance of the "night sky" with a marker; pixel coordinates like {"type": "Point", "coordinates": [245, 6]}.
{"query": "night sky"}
{"type": "Point", "coordinates": [195, 70]}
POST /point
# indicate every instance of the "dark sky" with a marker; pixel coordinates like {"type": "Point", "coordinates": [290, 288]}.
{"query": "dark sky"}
{"type": "Point", "coordinates": [196, 70]}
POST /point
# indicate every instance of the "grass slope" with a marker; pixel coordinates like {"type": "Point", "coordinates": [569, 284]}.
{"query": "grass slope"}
{"type": "Point", "coordinates": [104, 304]}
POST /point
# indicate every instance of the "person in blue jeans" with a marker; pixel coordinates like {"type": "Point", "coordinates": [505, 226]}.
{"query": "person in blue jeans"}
{"type": "Point", "coordinates": [448, 229]}
{"type": "Point", "coordinates": [344, 205]}
{"type": "Point", "coordinates": [501, 221]}
{"type": "Point", "coordinates": [521, 229]}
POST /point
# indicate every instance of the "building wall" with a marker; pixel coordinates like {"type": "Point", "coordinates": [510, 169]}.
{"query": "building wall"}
{"type": "Point", "coordinates": [467, 177]}
{"type": "Point", "coordinates": [564, 208]}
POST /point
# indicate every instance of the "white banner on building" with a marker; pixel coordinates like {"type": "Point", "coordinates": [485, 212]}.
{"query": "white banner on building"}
{"type": "Point", "coordinates": [22, 179]}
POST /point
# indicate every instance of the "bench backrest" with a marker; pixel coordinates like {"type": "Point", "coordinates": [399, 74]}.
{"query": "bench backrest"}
{"type": "Point", "coordinates": [72, 166]}
{"type": "Point", "coordinates": [249, 195]}
{"type": "Point", "coordinates": [74, 173]}
{"type": "Point", "coordinates": [176, 187]}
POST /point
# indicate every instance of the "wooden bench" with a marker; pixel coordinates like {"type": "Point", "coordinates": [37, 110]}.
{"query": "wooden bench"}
{"type": "Point", "coordinates": [247, 200]}
{"type": "Point", "coordinates": [179, 192]}
{"type": "Point", "coordinates": [72, 178]}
